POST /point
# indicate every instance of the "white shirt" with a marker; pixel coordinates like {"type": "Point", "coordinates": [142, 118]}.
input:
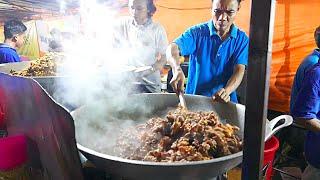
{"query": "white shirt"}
{"type": "Point", "coordinates": [145, 43]}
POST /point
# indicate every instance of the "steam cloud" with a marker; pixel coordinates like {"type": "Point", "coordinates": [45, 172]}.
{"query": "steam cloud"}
{"type": "Point", "coordinates": [94, 74]}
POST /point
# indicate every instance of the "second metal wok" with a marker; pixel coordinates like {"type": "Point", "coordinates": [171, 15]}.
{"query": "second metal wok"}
{"type": "Point", "coordinates": [91, 120]}
{"type": "Point", "coordinates": [46, 82]}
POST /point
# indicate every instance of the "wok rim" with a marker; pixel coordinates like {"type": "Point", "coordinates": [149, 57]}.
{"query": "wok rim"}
{"type": "Point", "coordinates": [164, 164]}
{"type": "Point", "coordinates": [33, 77]}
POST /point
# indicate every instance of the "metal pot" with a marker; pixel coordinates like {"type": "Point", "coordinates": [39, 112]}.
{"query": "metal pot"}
{"type": "Point", "coordinates": [46, 82]}
{"type": "Point", "coordinates": [59, 83]}
{"type": "Point", "coordinates": [144, 106]}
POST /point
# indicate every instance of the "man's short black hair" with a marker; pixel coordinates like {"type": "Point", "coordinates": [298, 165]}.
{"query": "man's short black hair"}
{"type": "Point", "coordinates": [151, 8]}
{"type": "Point", "coordinates": [13, 28]}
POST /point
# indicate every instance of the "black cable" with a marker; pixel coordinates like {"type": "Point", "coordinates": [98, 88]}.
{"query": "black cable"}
{"type": "Point", "coordinates": [283, 172]}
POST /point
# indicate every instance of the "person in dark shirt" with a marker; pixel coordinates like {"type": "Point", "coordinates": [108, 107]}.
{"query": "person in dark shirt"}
{"type": "Point", "coordinates": [306, 111]}
{"type": "Point", "coordinates": [305, 65]}
{"type": "Point", "coordinates": [14, 33]}
{"type": "Point", "coordinates": [295, 137]}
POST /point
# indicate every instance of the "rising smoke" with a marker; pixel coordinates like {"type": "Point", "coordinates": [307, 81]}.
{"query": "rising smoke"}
{"type": "Point", "coordinates": [97, 76]}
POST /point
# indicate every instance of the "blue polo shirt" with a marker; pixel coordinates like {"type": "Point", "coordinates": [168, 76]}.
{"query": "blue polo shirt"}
{"type": "Point", "coordinates": [8, 54]}
{"type": "Point", "coordinates": [307, 105]}
{"type": "Point", "coordinates": [306, 64]}
{"type": "Point", "coordinates": [212, 60]}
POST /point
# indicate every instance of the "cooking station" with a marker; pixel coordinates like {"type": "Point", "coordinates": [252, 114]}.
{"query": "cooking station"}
{"type": "Point", "coordinates": [251, 118]}
{"type": "Point", "coordinates": [132, 169]}
{"type": "Point", "coordinates": [156, 105]}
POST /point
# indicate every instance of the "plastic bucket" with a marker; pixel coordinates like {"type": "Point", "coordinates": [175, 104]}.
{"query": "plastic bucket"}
{"type": "Point", "coordinates": [270, 149]}
{"type": "Point", "coordinates": [13, 152]}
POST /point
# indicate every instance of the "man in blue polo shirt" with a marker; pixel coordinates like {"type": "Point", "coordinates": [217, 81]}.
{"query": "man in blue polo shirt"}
{"type": "Point", "coordinates": [218, 52]}
{"type": "Point", "coordinates": [296, 136]}
{"type": "Point", "coordinates": [306, 111]}
{"type": "Point", "coordinates": [306, 64]}
{"type": "Point", "coordinates": [14, 38]}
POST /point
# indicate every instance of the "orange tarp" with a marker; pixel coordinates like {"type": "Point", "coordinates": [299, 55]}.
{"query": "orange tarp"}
{"type": "Point", "coordinates": [293, 39]}
{"type": "Point", "coordinates": [293, 35]}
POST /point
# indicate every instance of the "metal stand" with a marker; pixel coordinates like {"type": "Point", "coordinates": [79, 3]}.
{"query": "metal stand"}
{"type": "Point", "coordinates": [260, 51]}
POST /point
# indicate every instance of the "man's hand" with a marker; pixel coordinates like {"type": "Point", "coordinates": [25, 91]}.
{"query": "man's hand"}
{"type": "Point", "coordinates": [309, 124]}
{"type": "Point", "coordinates": [177, 81]}
{"type": "Point", "coordinates": [173, 56]}
{"type": "Point", "coordinates": [222, 95]}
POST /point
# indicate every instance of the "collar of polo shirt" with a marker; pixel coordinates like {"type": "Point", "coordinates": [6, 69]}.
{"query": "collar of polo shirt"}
{"type": "Point", "coordinates": [213, 31]}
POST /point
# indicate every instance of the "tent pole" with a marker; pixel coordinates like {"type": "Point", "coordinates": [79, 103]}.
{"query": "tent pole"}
{"type": "Point", "coordinates": [257, 91]}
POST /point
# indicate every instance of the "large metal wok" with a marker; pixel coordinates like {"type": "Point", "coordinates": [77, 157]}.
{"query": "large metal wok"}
{"type": "Point", "coordinates": [47, 82]}
{"type": "Point", "coordinates": [58, 84]}
{"type": "Point", "coordinates": [141, 107]}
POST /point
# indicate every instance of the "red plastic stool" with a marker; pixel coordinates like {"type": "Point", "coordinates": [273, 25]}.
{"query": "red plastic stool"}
{"type": "Point", "coordinates": [13, 152]}
{"type": "Point", "coordinates": [13, 158]}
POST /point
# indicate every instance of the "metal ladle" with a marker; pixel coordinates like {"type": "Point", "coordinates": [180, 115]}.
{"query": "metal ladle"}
{"type": "Point", "coordinates": [182, 100]}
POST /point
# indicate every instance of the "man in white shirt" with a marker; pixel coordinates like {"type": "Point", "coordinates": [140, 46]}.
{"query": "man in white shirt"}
{"type": "Point", "coordinates": [146, 41]}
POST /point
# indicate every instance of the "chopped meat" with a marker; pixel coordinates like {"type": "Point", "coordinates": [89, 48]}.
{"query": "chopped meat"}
{"type": "Point", "coordinates": [181, 136]}
{"type": "Point", "coordinates": [43, 66]}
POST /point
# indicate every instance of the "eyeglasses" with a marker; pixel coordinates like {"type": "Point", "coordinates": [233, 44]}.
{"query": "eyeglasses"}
{"type": "Point", "coordinates": [221, 11]}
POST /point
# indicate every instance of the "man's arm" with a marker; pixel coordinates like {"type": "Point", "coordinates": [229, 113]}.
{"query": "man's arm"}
{"type": "Point", "coordinates": [240, 61]}
{"type": "Point", "coordinates": [173, 58]}
{"type": "Point", "coordinates": [162, 44]}
{"type": "Point", "coordinates": [159, 63]}
{"type": "Point", "coordinates": [310, 124]}
{"type": "Point", "coordinates": [307, 104]}
{"type": "Point", "coordinates": [232, 84]}
{"type": "Point", "coordinates": [160, 56]}
{"type": "Point", "coordinates": [235, 79]}
{"type": "Point", "coordinates": [184, 45]}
